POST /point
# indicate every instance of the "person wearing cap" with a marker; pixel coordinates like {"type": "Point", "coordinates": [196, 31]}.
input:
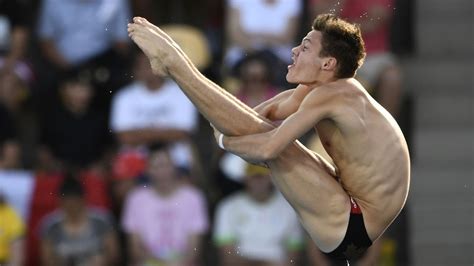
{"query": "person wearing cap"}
{"type": "Point", "coordinates": [76, 234]}
{"type": "Point", "coordinates": [257, 226]}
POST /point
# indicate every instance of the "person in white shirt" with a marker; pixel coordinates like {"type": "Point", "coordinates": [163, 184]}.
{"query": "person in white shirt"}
{"type": "Point", "coordinates": [256, 25]}
{"type": "Point", "coordinates": [257, 225]}
{"type": "Point", "coordinates": [153, 109]}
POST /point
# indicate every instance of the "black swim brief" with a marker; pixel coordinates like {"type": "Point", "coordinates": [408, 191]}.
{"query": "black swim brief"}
{"type": "Point", "coordinates": [356, 241]}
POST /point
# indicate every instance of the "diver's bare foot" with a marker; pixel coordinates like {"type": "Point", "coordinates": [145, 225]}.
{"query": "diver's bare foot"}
{"type": "Point", "coordinates": [156, 44]}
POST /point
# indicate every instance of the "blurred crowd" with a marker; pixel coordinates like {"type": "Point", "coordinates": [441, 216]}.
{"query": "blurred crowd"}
{"type": "Point", "coordinates": [104, 163]}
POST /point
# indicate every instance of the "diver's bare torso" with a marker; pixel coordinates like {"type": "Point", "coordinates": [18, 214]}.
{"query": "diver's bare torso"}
{"type": "Point", "coordinates": [370, 154]}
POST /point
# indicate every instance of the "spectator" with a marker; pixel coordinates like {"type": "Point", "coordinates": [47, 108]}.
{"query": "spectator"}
{"type": "Point", "coordinates": [261, 25]}
{"type": "Point", "coordinates": [166, 220]}
{"type": "Point", "coordinates": [8, 128]}
{"type": "Point", "coordinates": [257, 226]}
{"type": "Point", "coordinates": [14, 31]}
{"type": "Point", "coordinates": [14, 96]}
{"type": "Point", "coordinates": [73, 132]}
{"type": "Point", "coordinates": [76, 235]}
{"type": "Point", "coordinates": [16, 183]}
{"type": "Point", "coordinates": [255, 81]}
{"type": "Point", "coordinates": [73, 32]}
{"type": "Point", "coordinates": [14, 87]}
{"type": "Point", "coordinates": [79, 34]}
{"type": "Point", "coordinates": [380, 72]}
{"type": "Point", "coordinates": [45, 199]}
{"type": "Point", "coordinates": [12, 233]}
{"type": "Point", "coordinates": [153, 109]}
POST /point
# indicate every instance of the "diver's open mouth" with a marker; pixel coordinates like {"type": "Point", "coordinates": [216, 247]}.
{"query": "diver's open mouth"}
{"type": "Point", "coordinates": [294, 62]}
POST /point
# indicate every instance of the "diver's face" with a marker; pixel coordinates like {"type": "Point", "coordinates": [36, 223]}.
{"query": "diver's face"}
{"type": "Point", "coordinates": [307, 64]}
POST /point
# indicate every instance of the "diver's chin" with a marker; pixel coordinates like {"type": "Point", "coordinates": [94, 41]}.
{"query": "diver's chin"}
{"type": "Point", "coordinates": [288, 78]}
{"type": "Point", "coordinates": [291, 79]}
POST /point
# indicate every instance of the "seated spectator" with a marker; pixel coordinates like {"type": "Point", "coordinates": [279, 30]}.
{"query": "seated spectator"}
{"type": "Point", "coordinates": [15, 91]}
{"type": "Point", "coordinates": [75, 234]}
{"type": "Point", "coordinates": [261, 25]}
{"type": "Point", "coordinates": [255, 80]}
{"type": "Point", "coordinates": [14, 32]}
{"type": "Point", "coordinates": [45, 199]}
{"type": "Point", "coordinates": [73, 132]}
{"type": "Point", "coordinates": [8, 130]}
{"type": "Point", "coordinates": [257, 226]}
{"type": "Point", "coordinates": [72, 32]}
{"type": "Point", "coordinates": [16, 183]}
{"type": "Point", "coordinates": [165, 220]}
{"type": "Point", "coordinates": [12, 230]}
{"type": "Point", "coordinates": [153, 109]}
{"type": "Point", "coordinates": [79, 34]}
{"type": "Point", "coordinates": [10, 155]}
{"type": "Point", "coordinates": [14, 87]}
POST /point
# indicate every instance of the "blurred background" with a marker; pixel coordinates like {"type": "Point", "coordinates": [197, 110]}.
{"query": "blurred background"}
{"type": "Point", "coordinates": [104, 163]}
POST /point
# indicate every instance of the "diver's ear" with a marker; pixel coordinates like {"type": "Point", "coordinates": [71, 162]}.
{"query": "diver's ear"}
{"type": "Point", "coordinates": [330, 64]}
